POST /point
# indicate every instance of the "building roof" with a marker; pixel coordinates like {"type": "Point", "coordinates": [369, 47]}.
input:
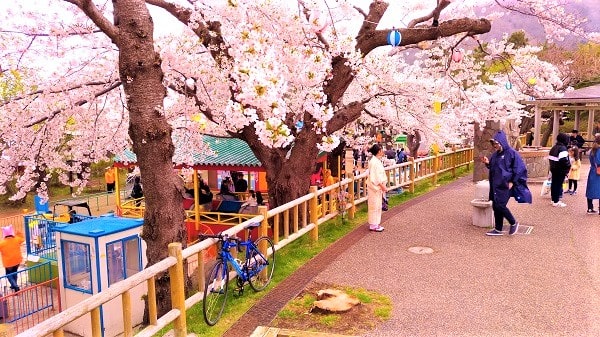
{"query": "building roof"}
{"type": "Point", "coordinates": [587, 98]}
{"type": "Point", "coordinates": [98, 227]}
{"type": "Point", "coordinates": [230, 154]}
{"type": "Point", "coordinates": [587, 92]}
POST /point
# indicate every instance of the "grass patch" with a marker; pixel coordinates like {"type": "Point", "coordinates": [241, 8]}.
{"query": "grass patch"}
{"type": "Point", "coordinates": [373, 309]}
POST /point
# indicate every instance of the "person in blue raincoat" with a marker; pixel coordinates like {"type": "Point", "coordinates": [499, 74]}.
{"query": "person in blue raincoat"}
{"type": "Point", "coordinates": [508, 178]}
{"type": "Point", "coordinates": [593, 183]}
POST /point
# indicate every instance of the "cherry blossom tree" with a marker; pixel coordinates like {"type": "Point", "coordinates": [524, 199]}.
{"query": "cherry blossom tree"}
{"type": "Point", "coordinates": [288, 78]}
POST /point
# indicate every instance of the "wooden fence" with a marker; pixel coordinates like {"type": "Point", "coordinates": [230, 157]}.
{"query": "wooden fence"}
{"type": "Point", "coordinates": [286, 223]}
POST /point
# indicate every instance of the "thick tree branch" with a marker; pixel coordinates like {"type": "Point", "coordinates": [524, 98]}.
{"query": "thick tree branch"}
{"type": "Point", "coordinates": [89, 8]}
{"type": "Point", "coordinates": [345, 115]}
{"type": "Point", "coordinates": [209, 32]}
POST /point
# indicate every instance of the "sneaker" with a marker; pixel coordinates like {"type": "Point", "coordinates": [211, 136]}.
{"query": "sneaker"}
{"type": "Point", "coordinates": [494, 232]}
{"type": "Point", "coordinates": [559, 204]}
{"type": "Point", "coordinates": [569, 191]}
{"type": "Point", "coordinates": [574, 193]}
{"type": "Point", "coordinates": [591, 211]}
{"type": "Point", "coordinates": [513, 229]}
{"type": "Point", "coordinates": [376, 228]}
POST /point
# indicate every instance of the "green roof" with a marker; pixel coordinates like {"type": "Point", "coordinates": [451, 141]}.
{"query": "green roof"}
{"type": "Point", "coordinates": [229, 153]}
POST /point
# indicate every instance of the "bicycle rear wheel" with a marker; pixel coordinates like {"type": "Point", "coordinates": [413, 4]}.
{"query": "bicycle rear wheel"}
{"type": "Point", "coordinates": [260, 266]}
{"type": "Point", "coordinates": [215, 292]}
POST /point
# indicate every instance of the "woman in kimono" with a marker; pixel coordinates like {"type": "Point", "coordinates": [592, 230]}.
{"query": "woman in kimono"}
{"type": "Point", "coordinates": [376, 187]}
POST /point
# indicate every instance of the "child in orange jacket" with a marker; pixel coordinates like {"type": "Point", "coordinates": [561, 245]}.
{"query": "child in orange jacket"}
{"type": "Point", "coordinates": [10, 248]}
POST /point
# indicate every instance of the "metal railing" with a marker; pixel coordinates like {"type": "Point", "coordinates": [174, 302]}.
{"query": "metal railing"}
{"type": "Point", "coordinates": [39, 233]}
{"type": "Point", "coordinates": [287, 223]}
{"type": "Point", "coordinates": [35, 301]}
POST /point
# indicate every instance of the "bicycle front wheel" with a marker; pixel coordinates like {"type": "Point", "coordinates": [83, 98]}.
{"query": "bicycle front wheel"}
{"type": "Point", "coordinates": [215, 292]}
{"type": "Point", "coordinates": [260, 266]}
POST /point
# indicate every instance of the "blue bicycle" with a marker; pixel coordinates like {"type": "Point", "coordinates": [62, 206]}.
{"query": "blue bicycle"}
{"type": "Point", "coordinates": [250, 265]}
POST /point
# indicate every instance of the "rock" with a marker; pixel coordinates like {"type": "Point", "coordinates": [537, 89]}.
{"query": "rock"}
{"type": "Point", "coordinates": [333, 301]}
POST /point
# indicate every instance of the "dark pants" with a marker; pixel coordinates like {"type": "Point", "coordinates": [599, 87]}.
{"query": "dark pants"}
{"type": "Point", "coordinates": [556, 189]}
{"type": "Point", "coordinates": [502, 212]}
{"type": "Point", "coordinates": [573, 183]}
{"type": "Point", "coordinates": [11, 275]}
{"type": "Point", "coordinates": [590, 203]}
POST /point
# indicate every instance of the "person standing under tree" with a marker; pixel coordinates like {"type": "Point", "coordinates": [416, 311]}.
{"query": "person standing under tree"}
{"type": "Point", "coordinates": [10, 248]}
{"type": "Point", "coordinates": [507, 177]}
{"type": "Point", "coordinates": [376, 187]}
{"type": "Point", "coordinates": [137, 192]}
{"type": "Point", "coordinates": [559, 168]}
{"type": "Point", "coordinates": [109, 178]}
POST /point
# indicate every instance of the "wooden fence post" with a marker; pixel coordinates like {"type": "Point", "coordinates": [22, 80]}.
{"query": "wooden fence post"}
{"type": "Point", "coordinates": [453, 161]}
{"type": "Point", "coordinates": [314, 233]}
{"type": "Point", "coordinates": [178, 289]}
{"type": "Point", "coordinates": [436, 166]}
{"type": "Point", "coordinates": [412, 174]}
{"type": "Point", "coordinates": [263, 229]}
{"type": "Point", "coordinates": [351, 192]}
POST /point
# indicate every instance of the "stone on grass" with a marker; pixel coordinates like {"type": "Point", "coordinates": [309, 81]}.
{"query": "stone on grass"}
{"type": "Point", "coordinates": [333, 301]}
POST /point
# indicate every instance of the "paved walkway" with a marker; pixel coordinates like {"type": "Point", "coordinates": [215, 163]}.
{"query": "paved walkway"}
{"type": "Point", "coordinates": [546, 283]}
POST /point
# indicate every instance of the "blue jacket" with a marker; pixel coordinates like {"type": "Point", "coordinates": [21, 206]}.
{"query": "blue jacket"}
{"type": "Point", "coordinates": [507, 166]}
{"type": "Point", "coordinates": [592, 190]}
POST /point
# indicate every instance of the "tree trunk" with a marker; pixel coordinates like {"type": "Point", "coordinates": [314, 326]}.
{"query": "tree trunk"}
{"type": "Point", "coordinates": [547, 133]}
{"type": "Point", "coordinates": [413, 143]}
{"type": "Point", "coordinates": [141, 74]}
{"type": "Point", "coordinates": [288, 172]}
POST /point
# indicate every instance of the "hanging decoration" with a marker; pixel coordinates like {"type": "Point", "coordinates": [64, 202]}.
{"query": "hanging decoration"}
{"type": "Point", "coordinates": [457, 56]}
{"type": "Point", "coordinates": [299, 125]}
{"type": "Point", "coordinates": [508, 85]}
{"type": "Point", "coordinates": [394, 38]}
{"type": "Point", "coordinates": [532, 81]}
{"type": "Point", "coordinates": [437, 107]}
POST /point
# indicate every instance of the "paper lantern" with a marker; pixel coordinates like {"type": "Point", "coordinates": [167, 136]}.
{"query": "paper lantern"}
{"type": "Point", "coordinates": [532, 81]}
{"type": "Point", "coordinates": [394, 38]}
{"type": "Point", "coordinates": [457, 56]}
{"type": "Point", "coordinates": [437, 107]}
{"type": "Point", "coordinates": [508, 85]}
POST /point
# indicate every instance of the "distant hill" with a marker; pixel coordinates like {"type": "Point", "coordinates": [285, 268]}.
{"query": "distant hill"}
{"type": "Point", "coordinates": [515, 21]}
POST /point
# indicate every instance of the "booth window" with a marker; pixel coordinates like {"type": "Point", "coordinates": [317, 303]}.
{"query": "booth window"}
{"type": "Point", "coordinates": [76, 260]}
{"type": "Point", "coordinates": [123, 259]}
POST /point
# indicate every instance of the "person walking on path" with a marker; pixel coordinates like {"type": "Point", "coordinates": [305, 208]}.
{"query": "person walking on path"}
{"type": "Point", "coordinates": [559, 168]}
{"type": "Point", "coordinates": [574, 172]}
{"type": "Point", "coordinates": [592, 190]}
{"type": "Point", "coordinates": [508, 177]}
{"type": "Point", "coordinates": [376, 187]}
{"type": "Point", "coordinates": [10, 248]}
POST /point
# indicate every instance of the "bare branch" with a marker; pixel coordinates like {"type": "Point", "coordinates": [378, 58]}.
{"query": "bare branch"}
{"type": "Point", "coordinates": [78, 103]}
{"type": "Point", "coordinates": [435, 15]}
{"type": "Point", "coordinates": [87, 84]}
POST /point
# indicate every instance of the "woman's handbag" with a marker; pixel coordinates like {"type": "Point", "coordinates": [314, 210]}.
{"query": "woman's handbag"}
{"type": "Point", "coordinates": [384, 204]}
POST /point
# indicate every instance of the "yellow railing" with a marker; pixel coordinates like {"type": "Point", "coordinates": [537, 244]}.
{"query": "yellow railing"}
{"type": "Point", "coordinates": [287, 222]}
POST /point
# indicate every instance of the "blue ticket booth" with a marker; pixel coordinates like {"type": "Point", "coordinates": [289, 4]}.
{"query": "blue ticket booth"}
{"type": "Point", "coordinates": [92, 256]}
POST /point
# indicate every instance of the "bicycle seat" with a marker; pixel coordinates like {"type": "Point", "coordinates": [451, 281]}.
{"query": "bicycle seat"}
{"type": "Point", "coordinates": [253, 225]}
